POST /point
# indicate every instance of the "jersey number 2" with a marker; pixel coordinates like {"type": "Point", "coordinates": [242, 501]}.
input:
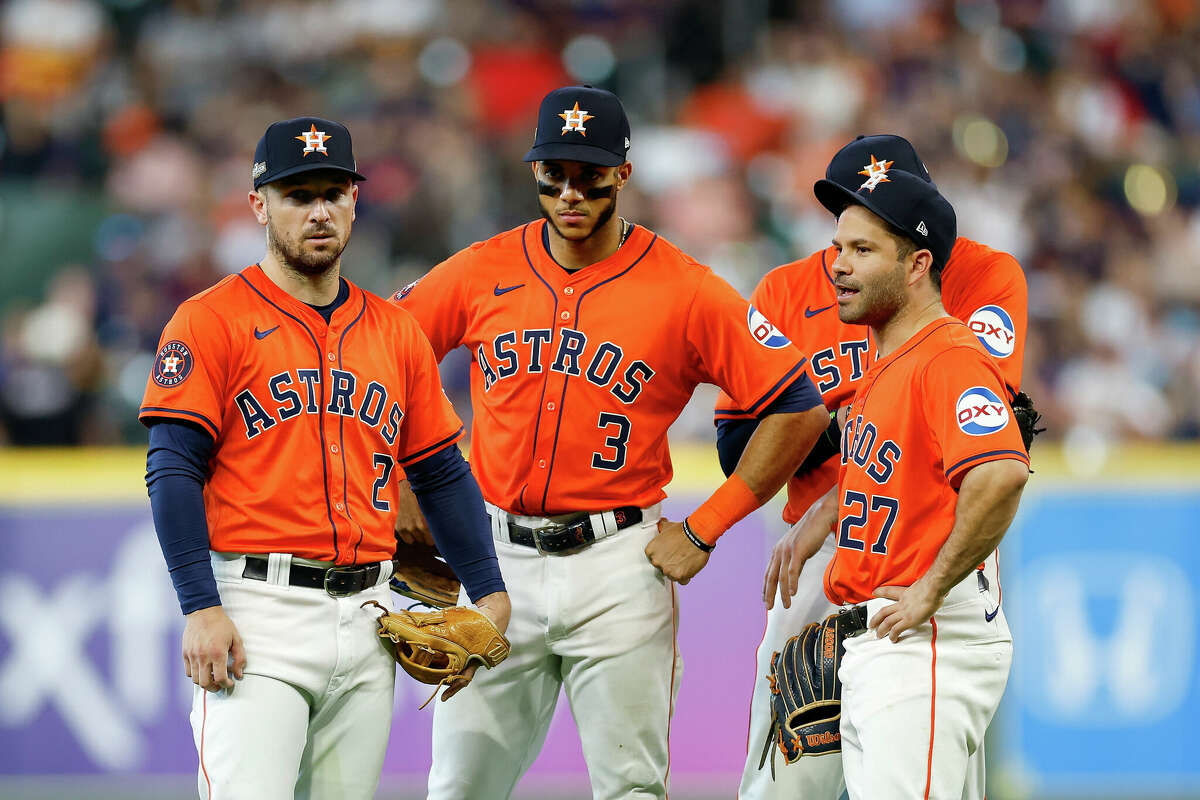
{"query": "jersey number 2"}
{"type": "Point", "coordinates": [616, 441]}
{"type": "Point", "coordinates": [858, 520]}
{"type": "Point", "coordinates": [385, 461]}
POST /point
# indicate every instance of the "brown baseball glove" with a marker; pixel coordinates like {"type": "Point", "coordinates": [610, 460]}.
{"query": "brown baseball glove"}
{"type": "Point", "coordinates": [436, 647]}
{"type": "Point", "coordinates": [419, 574]}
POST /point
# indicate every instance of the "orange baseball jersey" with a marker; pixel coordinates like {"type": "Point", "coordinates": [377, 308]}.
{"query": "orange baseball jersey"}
{"type": "Point", "coordinates": [984, 288]}
{"type": "Point", "coordinates": [577, 376]}
{"type": "Point", "coordinates": [309, 419]}
{"type": "Point", "coordinates": [920, 419]}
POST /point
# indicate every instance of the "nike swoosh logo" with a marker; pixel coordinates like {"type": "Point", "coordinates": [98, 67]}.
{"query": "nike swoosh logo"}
{"type": "Point", "coordinates": [499, 290]}
{"type": "Point", "coordinates": [264, 334]}
{"type": "Point", "coordinates": [809, 312]}
{"type": "Point", "coordinates": [989, 617]}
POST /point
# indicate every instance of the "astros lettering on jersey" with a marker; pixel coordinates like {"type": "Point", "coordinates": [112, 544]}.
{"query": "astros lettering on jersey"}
{"type": "Point", "coordinates": [603, 376]}
{"type": "Point", "coordinates": [244, 382]}
{"type": "Point", "coordinates": [984, 288]}
{"type": "Point", "coordinates": [938, 405]}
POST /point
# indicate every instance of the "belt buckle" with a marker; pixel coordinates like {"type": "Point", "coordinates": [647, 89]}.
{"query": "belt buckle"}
{"type": "Point", "coordinates": [563, 527]}
{"type": "Point", "coordinates": [359, 570]}
{"type": "Point", "coordinates": [554, 527]}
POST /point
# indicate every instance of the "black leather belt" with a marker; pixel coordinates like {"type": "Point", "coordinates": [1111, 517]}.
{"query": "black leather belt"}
{"type": "Point", "coordinates": [337, 581]}
{"type": "Point", "coordinates": [853, 620]}
{"type": "Point", "coordinates": [571, 534]}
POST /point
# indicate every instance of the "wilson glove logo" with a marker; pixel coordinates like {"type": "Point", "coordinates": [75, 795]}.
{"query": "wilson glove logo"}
{"type": "Point", "coordinates": [763, 331]}
{"type": "Point", "coordinates": [980, 412]}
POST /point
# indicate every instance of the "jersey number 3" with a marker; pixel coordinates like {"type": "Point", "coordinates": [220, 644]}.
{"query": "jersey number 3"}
{"type": "Point", "coordinates": [866, 505]}
{"type": "Point", "coordinates": [617, 441]}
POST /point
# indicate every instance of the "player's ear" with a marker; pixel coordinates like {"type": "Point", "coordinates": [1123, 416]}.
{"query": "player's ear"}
{"type": "Point", "coordinates": [353, 201]}
{"type": "Point", "coordinates": [258, 204]}
{"type": "Point", "coordinates": [623, 173]}
{"type": "Point", "coordinates": [921, 266]}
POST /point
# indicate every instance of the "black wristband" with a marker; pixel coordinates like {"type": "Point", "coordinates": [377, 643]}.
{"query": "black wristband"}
{"type": "Point", "coordinates": [696, 540]}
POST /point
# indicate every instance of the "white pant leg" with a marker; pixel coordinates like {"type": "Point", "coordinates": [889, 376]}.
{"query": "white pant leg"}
{"type": "Point", "coordinates": [615, 626]}
{"type": "Point", "coordinates": [487, 735]}
{"type": "Point", "coordinates": [304, 651]}
{"type": "Point", "coordinates": [249, 739]}
{"type": "Point", "coordinates": [815, 778]}
{"type": "Point", "coordinates": [920, 707]}
{"type": "Point", "coordinates": [349, 726]}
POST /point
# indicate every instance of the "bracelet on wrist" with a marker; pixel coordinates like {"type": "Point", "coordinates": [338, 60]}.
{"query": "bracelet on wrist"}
{"type": "Point", "coordinates": [696, 540]}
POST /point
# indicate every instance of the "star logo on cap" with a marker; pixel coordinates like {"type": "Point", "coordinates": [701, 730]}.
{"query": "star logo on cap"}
{"type": "Point", "coordinates": [314, 141]}
{"type": "Point", "coordinates": [574, 119]}
{"type": "Point", "coordinates": [876, 173]}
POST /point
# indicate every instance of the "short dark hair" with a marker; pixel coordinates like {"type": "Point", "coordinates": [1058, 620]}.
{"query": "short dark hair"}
{"type": "Point", "coordinates": [905, 246]}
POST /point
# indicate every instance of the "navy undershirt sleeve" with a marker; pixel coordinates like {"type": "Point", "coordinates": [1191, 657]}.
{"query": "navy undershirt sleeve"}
{"type": "Point", "coordinates": [176, 469]}
{"type": "Point", "coordinates": [453, 506]}
{"type": "Point", "coordinates": [800, 395]}
{"type": "Point", "coordinates": [732, 437]}
{"type": "Point", "coordinates": [734, 434]}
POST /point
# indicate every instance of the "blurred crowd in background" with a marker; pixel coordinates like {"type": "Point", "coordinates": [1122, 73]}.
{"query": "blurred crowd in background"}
{"type": "Point", "coordinates": [1066, 132]}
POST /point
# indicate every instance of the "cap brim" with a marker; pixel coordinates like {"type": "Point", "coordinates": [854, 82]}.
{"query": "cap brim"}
{"type": "Point", "coordinates": [573, 151]}
{"type": "Point", "coordinates": [836, 197]}
{"type": "Point", "coordinates": [296, 170]}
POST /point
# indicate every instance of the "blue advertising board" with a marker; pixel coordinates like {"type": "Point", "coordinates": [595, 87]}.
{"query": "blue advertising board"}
{"type": "Point", "coordinates": [1102, 598]}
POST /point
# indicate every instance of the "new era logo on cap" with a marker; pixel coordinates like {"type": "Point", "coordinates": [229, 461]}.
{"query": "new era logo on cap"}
{"type": "Point", "coordinates": [300, 145]}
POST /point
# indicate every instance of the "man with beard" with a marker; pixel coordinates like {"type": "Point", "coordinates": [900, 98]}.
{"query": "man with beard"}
{"type": "Point", "coordinates": [280, 403]}
{"type": "Point", "coordinates": [589, 334]}
{"type": "Point", "coordinates": [932, 467]}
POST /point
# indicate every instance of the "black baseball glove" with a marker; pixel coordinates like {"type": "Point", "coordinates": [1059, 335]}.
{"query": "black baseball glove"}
{"type": "Point", "coordinates": [1027, 418]}
{"type": "Point", "coordinates": [806, 695]}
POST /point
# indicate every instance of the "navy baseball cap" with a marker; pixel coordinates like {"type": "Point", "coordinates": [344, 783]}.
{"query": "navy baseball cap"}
{"type": "Point", "coordinates": [581, 123]}
{"type": "Point", "coordinates": [301, 145]}
{"type": "Point", "coordinates": [910, 203]}
{"type": "Point", "coordinates": [853, 164]}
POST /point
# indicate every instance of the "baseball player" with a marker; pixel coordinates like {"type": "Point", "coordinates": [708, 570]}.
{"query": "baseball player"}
{"type": "Point", "coordinates": [281, 402]}
{"type": "Point", "coordinates": [931, 471]}
{"type": "Point", "coordinates": [984, 288]}
{"type": "Point", "coordinates": [589, 334]}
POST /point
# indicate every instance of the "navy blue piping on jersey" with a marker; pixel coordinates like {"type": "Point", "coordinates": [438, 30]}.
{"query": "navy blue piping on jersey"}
{"type": "Point", "coordinates": [567, 378]}
{"type": "Point", "coordinates": [212, 428]}
{"type": "Point", "coordinates": [424, 451]}
{"type": "Point", "coordinates": [758, 406]}
{"type": "Point", "coordinates": [320, 411]}
{"type": "Point", "coordinates": [342, 428]}
{"type": "Point", "coordinates": [1022, 457]}
{"type": "Point", "coordinates": [537, 425]}
{"type": "Point", "coordinates": [897, 357]}
{"type": "Point", "coordinates": [825, 266]}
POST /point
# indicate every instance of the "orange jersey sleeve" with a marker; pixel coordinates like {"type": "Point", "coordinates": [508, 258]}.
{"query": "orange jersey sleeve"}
{"type": "Point", "coordinates": [191, 368]}
{"type": "Point", "coordinates": [799, 297]}
{"type": "Point", "coordinates": [923, 416]}
{"type": "Point", "coordinates": [309, 418]}
{"type": "Point", "coordinates": [737, 347]}
{"type": "Point", "coordinates": [431, 422]}
{"type": "Point", "coordinates": [986, 289]}
{"type": "Point", "coordinates": [576, 376]}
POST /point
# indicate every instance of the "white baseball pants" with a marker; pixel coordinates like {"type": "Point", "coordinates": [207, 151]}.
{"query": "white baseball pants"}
{"type": "Point", "coordinates": [310, 719]}
{"type": "Point", "coordinates": [915, 712]}
{"type": "Point", "coordinates": [599, 622]}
